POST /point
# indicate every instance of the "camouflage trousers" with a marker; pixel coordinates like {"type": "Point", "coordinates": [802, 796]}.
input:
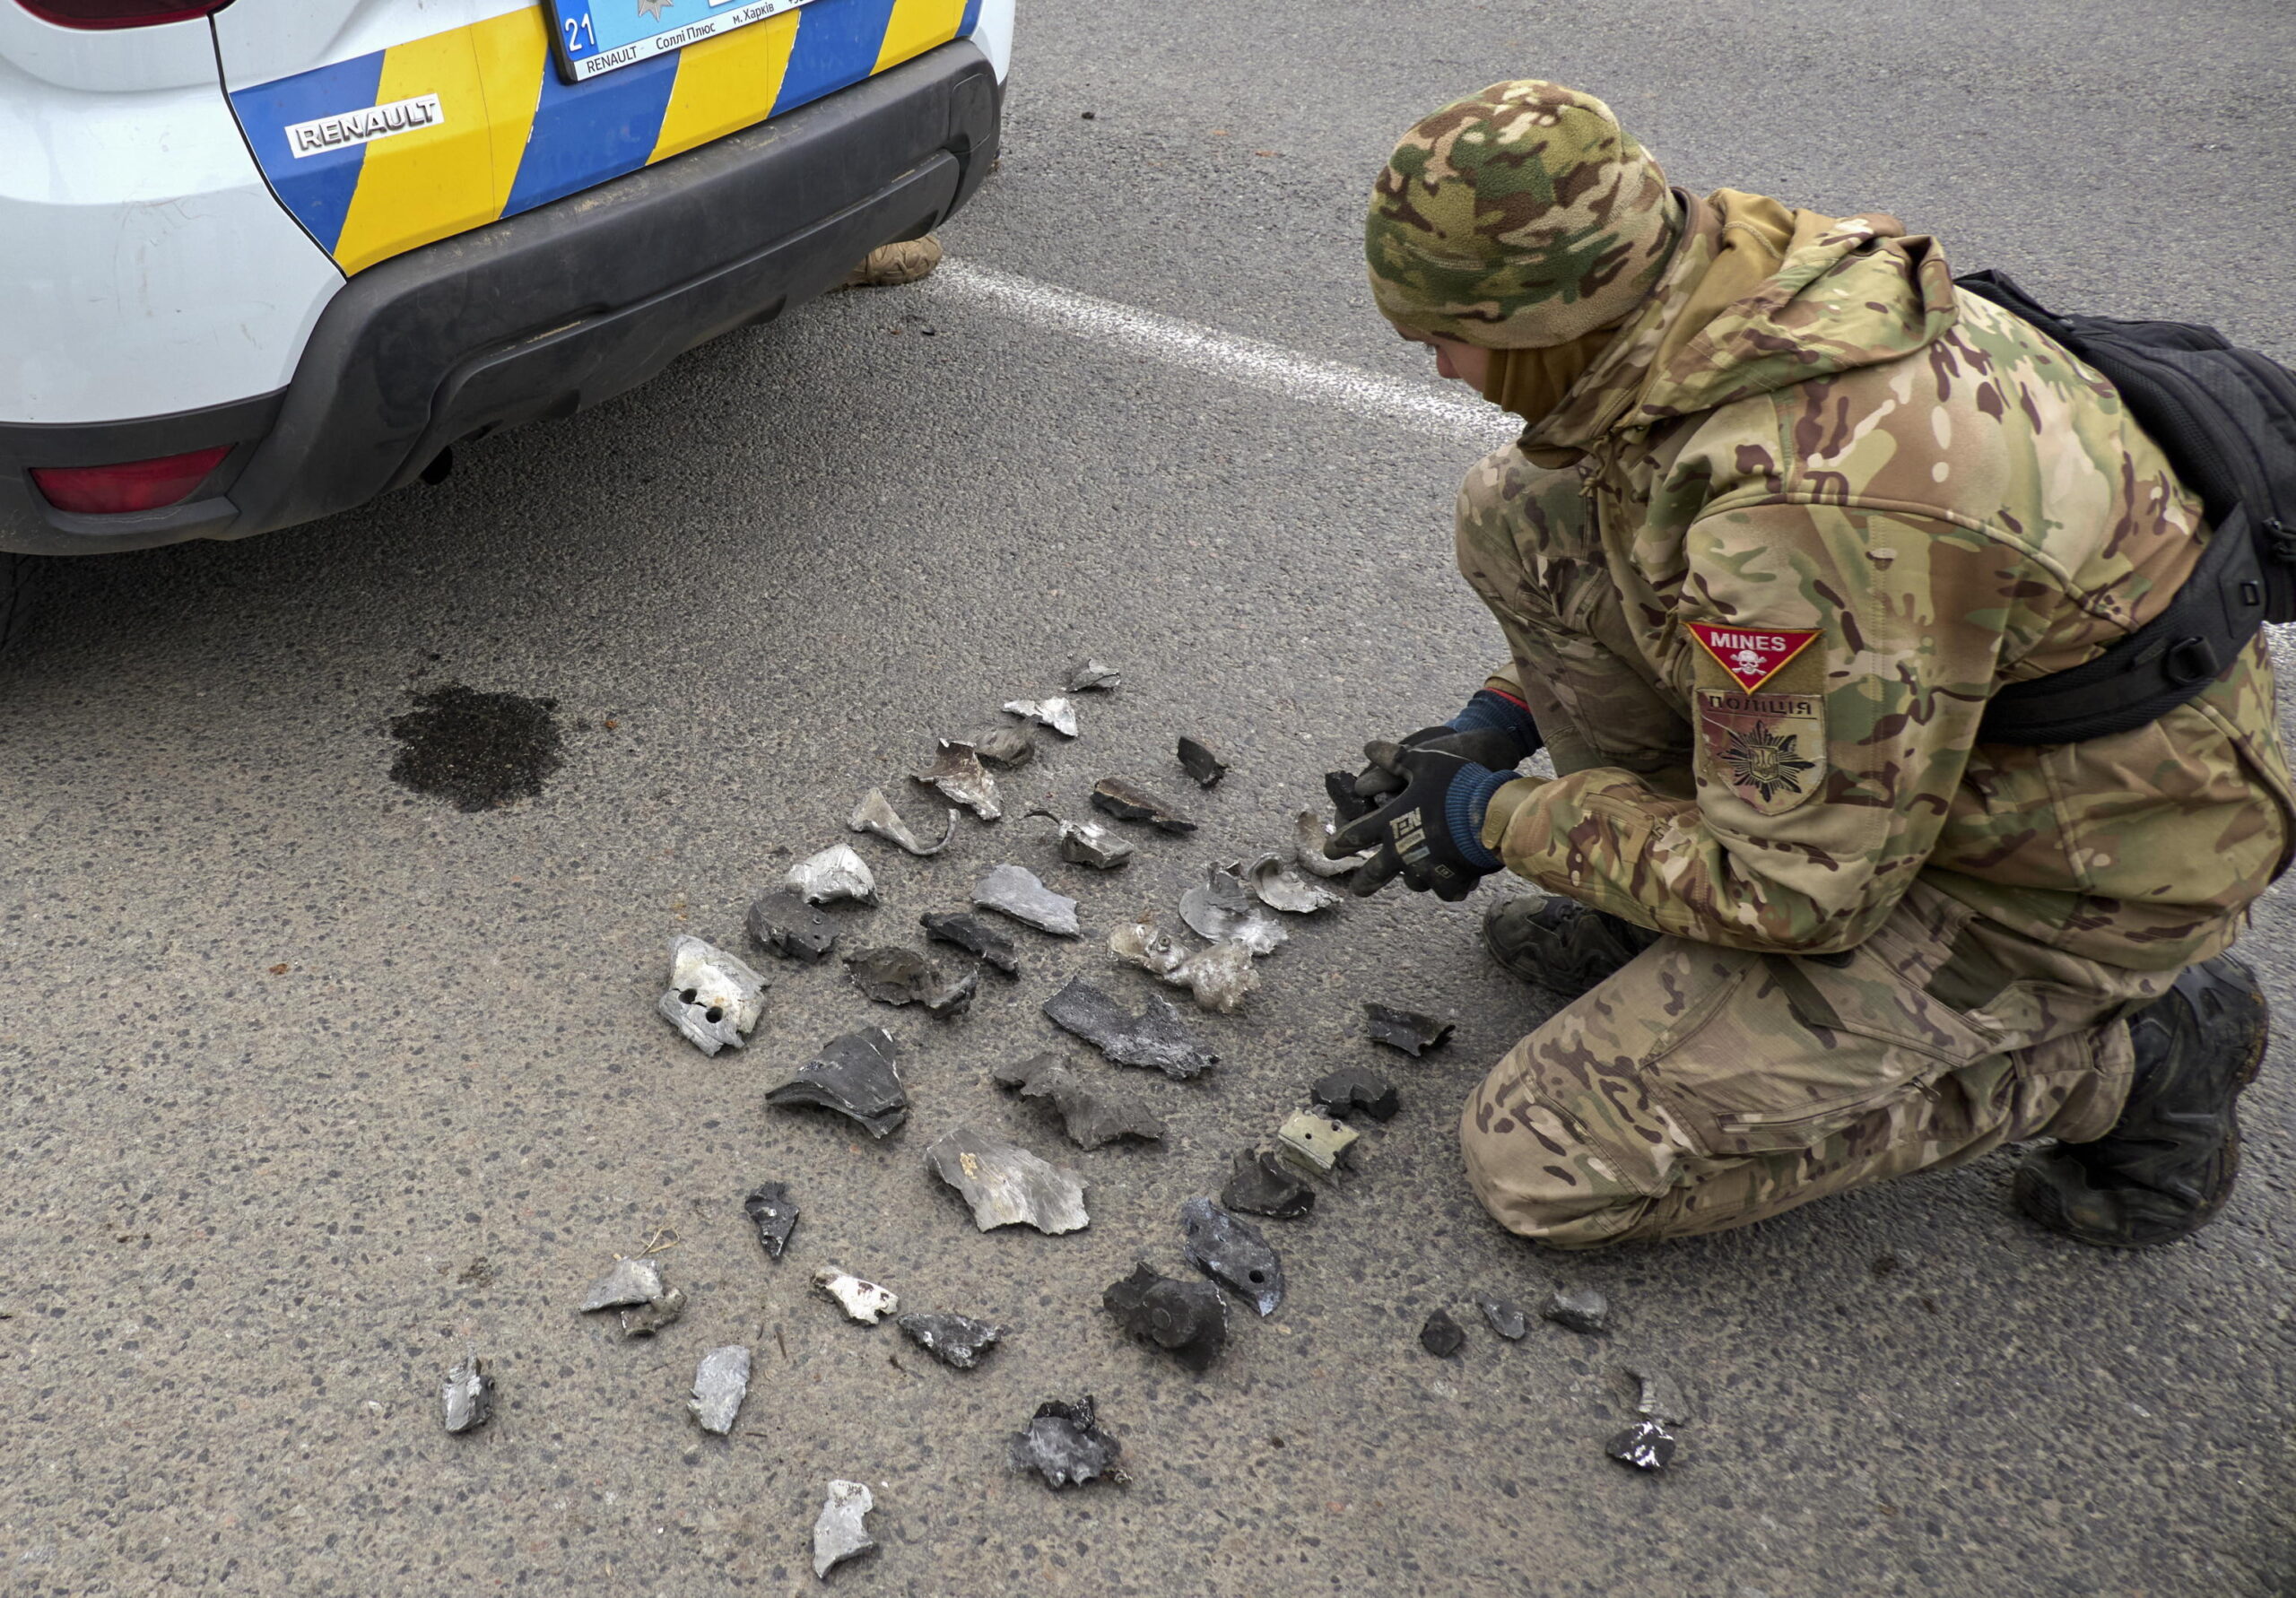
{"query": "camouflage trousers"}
{"type": "Point", "coordinates": [1703, 1087]}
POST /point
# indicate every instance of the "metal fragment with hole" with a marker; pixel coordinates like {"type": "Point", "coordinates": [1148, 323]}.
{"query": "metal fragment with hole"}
{"type": "Point", "coordinates": [1189, 1320]}
{"type": "Point", "coordinates": [713, 999]}
{"type": "Point", "coordinates": [1316, 1141]}
{"type": "Point", "coordinates": [1232, 1253]}
{"type": "Point", "coordinates": [1218, 977]}
{"type": "Point", "coordinates": [1153, 1040]}
{"type": "Point", "coordinates": [961, 778]}
{"type": "Point", "coordinates": [1006, 1184]}
{"type": "Point", "coordinates": [875, 814]}
{"type": "Point", "coordinates": [836, 872]}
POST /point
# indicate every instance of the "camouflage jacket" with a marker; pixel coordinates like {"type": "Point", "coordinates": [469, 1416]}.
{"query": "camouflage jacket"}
{"type": "Point", "coordinates": [1841, 514]}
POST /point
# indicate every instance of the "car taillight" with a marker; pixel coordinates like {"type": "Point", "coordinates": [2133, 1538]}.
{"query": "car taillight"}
{"type": "Point", "coordinates": [130, 485]}
{"type": "Point", "coordinates": [120, 13]}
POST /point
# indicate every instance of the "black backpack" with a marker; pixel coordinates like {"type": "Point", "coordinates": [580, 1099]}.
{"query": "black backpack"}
{"type": "Point", "coordinates": [2226, 419]}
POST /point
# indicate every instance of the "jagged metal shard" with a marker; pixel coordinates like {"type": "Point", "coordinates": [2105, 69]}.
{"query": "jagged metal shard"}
{"type": "Point", "coordinates": [1505, 1317]}
{"type": "Point", "coordinates": [1088, 675]}
{"type": "Point", "coordinates": [1346, 804]}
{"type": "Point", "coordinates": [1058, 714]}
{"type": "Point", "coordinates": [1583, 1310]}
{"type": "Point", "coordinates": [643, 1320]}
{"type": "Point", "coordinates": [466, 1397]}
{"type": "Point", "coordinates": [854, 1075]}
{"type": "Point", "coordinates": [865, 1301]}
{"type": "Point", "coordinates": [975, 936]}
{"type": "Point", "coordinates": [774, 1213]}
{"type": "Point", "coordinates": [1408, 1029]}
{"type": "Point", "coordinates": [1317, 1142]}
{"type": "Point", "coordinates": [1223, 909]}
{"type": "Point", "coordinates": [1091, 1118]}
{"type": "Point", "coordinates": [1281, 886]}
{"type": "Point", "coordinates": [1201, 764]}
{"type": "Point", "coordinates": [961, 779]}
{"type": "Point", "coordinates": [1064, 1444]}
{"type": "Point", "coordinates": [1310, 832]}
{"type": "Point", "coordinates": [1220, 977]}
{"type": "Point", "coordinates": [1263, 1184]}
{"type": "Point", "coordinates": [1647, 1445]}
{"type": "Point", "coordinates": [719, 1383]}
{"type": "Point", "coordinates": [783, 922]}
{"type": "Point", "coordinates": [1011, 891]}
{"type": "Point", "coordinates": [897, 976]}
{"type": "Point", "coordinates": [1352, 1090]}
{"type": "Point", "coordinates": [836, 872]}
{"type": "Point", "coordinates": [875, 813]}
{"type": "Point", "coordinates": [956, 1340]}
{"type": "Point", "coordinates": [1189, 1320]}
{"type": "Point", "coordinates": [839, 1534]}
{"type": "Point", "coordinates": [713, 999]}
{"type": "Point", "coordinates": [1659, 1397]}
{"type": "Point", "coordinates": [1441, 1336]}
{"type": "Point", "coordinates": [1086, 843]}
{"type": "Point", "coordinates": [1128, 803]}
{"type": "Point", "coordinates": [1006, 1184]}
{"type": "Point", "coordinates": [1232, 1253]}
{"type": "Point", "coordinates": [1009, 747]}
{"type": "Point", "coordinates": [630, 1281]}
{"type": "Point", "coordinates": [1153, 1040]}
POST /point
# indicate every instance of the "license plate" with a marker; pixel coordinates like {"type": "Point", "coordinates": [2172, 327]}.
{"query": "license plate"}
{"type": "Point", "coordinates": [589, 37]}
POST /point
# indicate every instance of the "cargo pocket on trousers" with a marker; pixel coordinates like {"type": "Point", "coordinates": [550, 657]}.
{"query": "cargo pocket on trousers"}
{"type": "Point", "coordinates": [1801, 1049]}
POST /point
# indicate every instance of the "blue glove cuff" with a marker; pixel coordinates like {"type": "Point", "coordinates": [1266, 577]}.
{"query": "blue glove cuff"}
{"type": "Point", "coordinates": [1463, 810]}
{"type": "Point", "coordinates": [1495, 712]}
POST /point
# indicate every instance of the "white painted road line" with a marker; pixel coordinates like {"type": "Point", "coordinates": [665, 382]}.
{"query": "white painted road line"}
{"type": "Point", "coordinates": [1269, 368]}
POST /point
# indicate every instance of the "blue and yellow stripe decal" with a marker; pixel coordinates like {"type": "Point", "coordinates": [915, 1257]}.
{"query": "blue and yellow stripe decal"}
{"type": "Point", "coordinates": [512, 135]}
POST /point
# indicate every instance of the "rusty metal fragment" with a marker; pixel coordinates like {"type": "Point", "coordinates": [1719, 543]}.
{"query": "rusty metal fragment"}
{"type": "Point", "coordinates": [1090, 1117]}
{"type": "Point", "coordinates": [1232, 1253]}
{"type": "Point", "coordinates": [1189, 1320]}
{"type": "Point", "coordinates": [854, 1075]}
{"type": "Point", "coordinates": [1058, 714]}
{"type": "Point", "coordinates": [1012, 890]}
{"type": "Point", "coordinates": [1223, 909]}
{"type": "Point", "coordinates": [875, 813]}
{"type": "Point", "coordinates": [713, 999]}
{"type": "Point", "coordinates": [896, 976]}
{"type": "Point", "coordinates": [1407, 1029]}
{"type": "Point", "coordinates": [1264, 1184]}
{"type": "Point", "coordinates": [954, 1340]}
{"type": "Point", "coordinates": [1128, 802]}
{"type": "Point", "coordinates": [961, 778]}
{"type": "Point", "coordinates": [1064, 1444]}
{"type": "Point", "coordinates": [466, 1397]}
{"type": "Point", "coordinates": [1310, 832]}
{"type": "Point", "coordinates": [719, 1383]}
{"type": "Point", "coordinates": [1006, 1184]}
{"type": "Point", "coordinates": [975, 936]}
{"type": "Point", "coordinates": [783, 922]}
{"type": "Point", "coordinates": [1201, 764]}
{"type": "Point", "coordinates": [836, 872]}
{"type": "Point", "coordinates": [1154, 1038]}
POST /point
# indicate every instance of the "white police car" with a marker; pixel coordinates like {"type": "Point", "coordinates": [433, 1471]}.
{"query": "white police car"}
{"type": "Point", "coordinates": [262, 260]}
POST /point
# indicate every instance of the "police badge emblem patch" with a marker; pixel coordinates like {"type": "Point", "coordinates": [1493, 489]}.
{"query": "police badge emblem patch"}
{"type": "Point", "coordinates": [1762, 723]}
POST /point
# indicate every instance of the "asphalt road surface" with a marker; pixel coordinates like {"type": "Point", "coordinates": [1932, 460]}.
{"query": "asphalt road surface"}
{"type": "Point", "coordinates": [308, 1083]}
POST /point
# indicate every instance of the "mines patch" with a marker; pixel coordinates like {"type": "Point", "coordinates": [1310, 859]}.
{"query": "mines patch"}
{"type": "Point", "coordinates": [1761, 713]}
{"type": "Point", "coordinates": [1751, 655]}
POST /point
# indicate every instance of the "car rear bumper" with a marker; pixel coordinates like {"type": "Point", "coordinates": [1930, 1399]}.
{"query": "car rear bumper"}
{"type": "Point", "coordinates": [544, 313]}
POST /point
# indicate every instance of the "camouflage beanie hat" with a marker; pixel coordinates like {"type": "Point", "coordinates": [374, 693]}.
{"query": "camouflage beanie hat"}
{"type": "Point", "coordinates": [1518, 218]}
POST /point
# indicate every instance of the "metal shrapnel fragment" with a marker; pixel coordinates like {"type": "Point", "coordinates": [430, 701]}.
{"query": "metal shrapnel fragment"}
{"type": "Point", "coordinates": [1408, 1029]}
{"type": "Point", "coordinates": [630, 1281]}
{"type": "Point", "coordinates": [1086, 675]}
{"type": "Point", "coordinates": [854, 1075]}
{"type": "Point", "coordinates": [1220, 977]}
{"type": "Point", "coordinates": [1006, 1184]}
{"type": "Point", "coordinates": [466, 1397]}
{"type": "Point", "coordinates": [1280, 887]}
{"type": "Point", "coordinates": [1086, 843]}
{"type": "Point", "coordinates": [896, 976]}
{"type": "Point", "coordinates": [1442, 1337]}
{"type": "Point", "coordinates": [961, 778]}
{"type": "Point", "coordinates": [1009, 747]}
{"type": "Point", "coordinates": [1223, 909]}
{"type": "Point", "coordinates": [1646, 1444]}
{"type": "Point", "coordinates": [839, 1534]}
{"type": "Point", "coordinates": [1317, 1142]}
{"type": "Point", "coordinates": [774, 1213]}
{"type": "Point", "coordinates": [1232, 1253]}
{"type": "Point", "coordinates": [1201, 764]}
{"type": "Point", "coordinates": [1352, 1090]}
{"type": "Point", "coordinates": [1128, 803]}
{"type": "Point", "coordinates": [1309, 834]}
{"type": "Point", "coordinates": [1064, 1444]}
{"type": "Point", "coordinates": [1011, 891]}
{"type": "Point", "coordinates": [719, 1383]}
{"type": "Point", "coordinates": [865, 1301]}
{"type": "Point", "coordinates": [1659, 1397]}
{"type": "Point", "coordinates": [875, 813]}
{"type": "Point", "coordinates": [1263, 1184]}
{"type": "Point", "coordinates": [1189, 1320]}
{"type": "Point", "coordinates": [1583, 1310]}
{"type": "Point", "coordinates": [1058, 714]}
{"type": "Point", "coordinates": [643, 1320]}
{"type": "Point", "coordinates": [956, 1340]}
{"type": "Point", "coordinates": [1092, 1118]}
{"type": "Point", "coordinates": [975, 936]}
{"type": "Point", "coordinates": [1346, 804]}
{"type": "Point", "coordinates": [713, 999]}
{"type": "Point", "coordinates": [783, 922]}
{"type": "Point", "coordinates": [1505, 1317]}
{"type": "Point", "coordinates": [836, 872]}
{"type": "Point", "coordinates": [1154, 1038]}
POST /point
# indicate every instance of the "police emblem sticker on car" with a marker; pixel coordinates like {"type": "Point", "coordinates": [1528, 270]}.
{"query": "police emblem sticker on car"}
{"type": "Point", "coordinates": [363, 125]}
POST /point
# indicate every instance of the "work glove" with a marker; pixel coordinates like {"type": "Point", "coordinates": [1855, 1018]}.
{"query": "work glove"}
{"type": "Point", "coordinates": [1493, 731]}
{"type": "Point", "coordinates": [1431, 832]}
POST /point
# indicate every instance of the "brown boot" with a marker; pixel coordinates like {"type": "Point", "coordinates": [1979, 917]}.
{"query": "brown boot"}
{"type": "Point", "coordinates": [1560, 945]}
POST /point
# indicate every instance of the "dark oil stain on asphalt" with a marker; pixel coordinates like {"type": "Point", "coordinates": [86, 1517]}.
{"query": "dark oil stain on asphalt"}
{"type": "Point", "coordinates": [478, 750]}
